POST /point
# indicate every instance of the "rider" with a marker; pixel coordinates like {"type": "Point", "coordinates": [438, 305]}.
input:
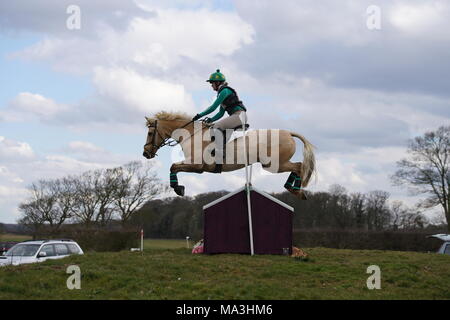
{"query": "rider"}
{"type": "Point", "coordinates": [228, 101]}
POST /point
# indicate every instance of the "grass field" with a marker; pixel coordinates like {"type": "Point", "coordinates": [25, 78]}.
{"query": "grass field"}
{"type": "Point", "coordinates": [13, 237]}
{"type": "Point", "coordinates": [148, 243]}
{"type": "Point", "coordinates": [166, 244]}
{"type": "Point", "coordinates": [175, 273]}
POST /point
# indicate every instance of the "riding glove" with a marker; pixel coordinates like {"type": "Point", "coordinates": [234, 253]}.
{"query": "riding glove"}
{"type": "Point", "coordinates": [197, 116]}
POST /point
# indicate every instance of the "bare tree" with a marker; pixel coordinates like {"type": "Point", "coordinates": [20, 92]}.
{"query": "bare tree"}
{"type": "Point", "coordinates": [86, 200]}
{"type": "Point", "coordinates": [41, 206]}
{"type": "Point", "coordinates": [426, 170]}
{"type": "Point", "coordinates": [50, 204]}
{"type": "Point", "coordinates": [398, 211]}
{"type": "Point", "coordinates": [357, 207]}
{"type": "Point", "coordinates": [137, 185]}
{"type": "Point", "coordinates": [105, 188]}
{"type": "Point", "coordinates": [63, 191]}
{"type": "Point", "coordinates": [31, 217]}
{"type": "Point", "coordinates": [378, 214]}
{"type": "Point", "coordinates": [94, 196]}
{"type": "Point", "coordinates": [340, 206]}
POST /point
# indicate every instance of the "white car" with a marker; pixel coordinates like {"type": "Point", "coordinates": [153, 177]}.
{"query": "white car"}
{"type": "Point", "coordinates": [39, 251]}
{"type": "Point", "coordinates": [445, 247]}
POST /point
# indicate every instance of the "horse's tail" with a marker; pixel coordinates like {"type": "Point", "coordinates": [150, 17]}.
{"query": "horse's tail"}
{"type": "Point", "coordinates": [308, 167]}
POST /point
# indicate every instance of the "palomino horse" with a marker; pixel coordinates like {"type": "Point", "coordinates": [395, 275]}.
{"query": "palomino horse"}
{"type": "Point", "coordinates": [272, 148]}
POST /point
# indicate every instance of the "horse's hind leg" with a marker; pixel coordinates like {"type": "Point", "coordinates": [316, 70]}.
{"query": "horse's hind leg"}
{"type": "Point", "coordinates": [294, 182]}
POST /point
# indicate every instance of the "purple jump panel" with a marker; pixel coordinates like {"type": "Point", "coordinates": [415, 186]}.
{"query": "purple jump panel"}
{"type": "Point", "coordinates": [226, 225]}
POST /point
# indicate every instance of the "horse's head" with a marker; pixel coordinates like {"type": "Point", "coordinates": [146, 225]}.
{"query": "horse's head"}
{"type": "Point", "coordinates": [154, 139]}
{"type": "Point", "coordinates": [160, 129]}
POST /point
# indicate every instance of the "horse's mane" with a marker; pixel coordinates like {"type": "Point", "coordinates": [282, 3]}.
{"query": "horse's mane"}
{"type": "Point", "coordinates": [169, 116]}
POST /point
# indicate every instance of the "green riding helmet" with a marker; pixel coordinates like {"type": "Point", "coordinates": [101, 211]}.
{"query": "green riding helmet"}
{"type": "Point", "coordinates": [216, 76]}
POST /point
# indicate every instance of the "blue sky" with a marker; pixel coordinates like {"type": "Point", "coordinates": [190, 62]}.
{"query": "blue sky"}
{"type": "Point", "coordinates": [74, 100]}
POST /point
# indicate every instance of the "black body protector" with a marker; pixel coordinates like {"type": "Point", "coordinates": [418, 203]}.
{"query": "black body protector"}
{"type": "Point", "coordinates": [231, 101]}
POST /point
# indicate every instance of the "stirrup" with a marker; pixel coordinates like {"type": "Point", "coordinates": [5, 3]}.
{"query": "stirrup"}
{"type": "Point", "coordinates": [218, 168]}
{"type": "Point", "coordinates": [239, 128]}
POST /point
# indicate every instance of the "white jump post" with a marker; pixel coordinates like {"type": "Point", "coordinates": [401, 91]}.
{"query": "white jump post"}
{"type": "Point", "coordinates": [142, 240]}
{"type": "Point", "coordinates": [248, 186]}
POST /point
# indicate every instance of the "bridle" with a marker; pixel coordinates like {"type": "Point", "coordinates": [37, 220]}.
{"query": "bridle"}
{"type": "Point", "coordinates": [164, 141]}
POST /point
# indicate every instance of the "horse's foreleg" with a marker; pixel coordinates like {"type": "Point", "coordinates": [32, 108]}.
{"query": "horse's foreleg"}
{"type": "Point", "coordinates": [182, 167]}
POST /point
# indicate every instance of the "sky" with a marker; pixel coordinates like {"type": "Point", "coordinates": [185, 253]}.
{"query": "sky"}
{"type": "Point", "coordinates": [358, 79]}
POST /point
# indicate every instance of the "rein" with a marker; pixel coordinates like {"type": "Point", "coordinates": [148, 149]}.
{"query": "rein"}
{"type": "Point", "coordinates": [166, 141]}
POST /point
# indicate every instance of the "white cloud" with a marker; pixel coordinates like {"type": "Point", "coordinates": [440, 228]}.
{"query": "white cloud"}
{"type": "Point", "coordinates": [28, 106]}
{"type": "Point", "coordinates": [419, 18]}
{"type": "Point", "coordinates": [138, 70]}
{"type": "Point", "coordinates": [83, 146]}
{"type": "Point", "coordinates": [8, 193]}
{"type": "Point", "coordinates": [165, 43]}
{"type": "Point", "coordinates": [139, 93]}
{"type": "Point", "coordinates": [11, 150]}
{"type": "Point", "coordinates": [36, 104]}
{"type": "Point", "coordinates": [299, 23]}
{"type": "Point", "coordinates": [49, 17]}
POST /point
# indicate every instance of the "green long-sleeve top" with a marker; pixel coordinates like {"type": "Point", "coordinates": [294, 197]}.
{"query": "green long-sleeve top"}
{"type": "Point", "coordinates": [220, 99]}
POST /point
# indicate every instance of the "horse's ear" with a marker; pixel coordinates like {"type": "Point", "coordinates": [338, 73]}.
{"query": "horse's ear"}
{"type": "Point", "coordinates": [147, 119]}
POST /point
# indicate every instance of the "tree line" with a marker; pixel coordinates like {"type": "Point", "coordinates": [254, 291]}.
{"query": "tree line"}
{"type": "Point", "coordinates": [93, 198]}
{"type": "Point", "coordinates": [335, 209]}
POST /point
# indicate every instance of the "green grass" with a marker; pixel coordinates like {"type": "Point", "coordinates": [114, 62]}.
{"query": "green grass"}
{"type": "Point", "coordinates": [166, 244]}
{"type": "Point", "coordinates": [178, 274]}
{"type": "Point", "coordinates": [13, 237]}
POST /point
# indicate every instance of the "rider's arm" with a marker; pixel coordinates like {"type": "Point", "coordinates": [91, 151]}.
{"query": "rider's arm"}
{"type": "Point", "coordinates": [222, 96]}
{"type": "Point", "coordinates": [218, 115]}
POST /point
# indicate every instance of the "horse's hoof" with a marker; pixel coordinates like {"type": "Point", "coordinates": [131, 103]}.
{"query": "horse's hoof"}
{"type": "Point", "coordinates": [303, 196]}
{"type": "Point", "coordinates": [179, 190]}
{"type": "Point", "coordinates": [298, 193]}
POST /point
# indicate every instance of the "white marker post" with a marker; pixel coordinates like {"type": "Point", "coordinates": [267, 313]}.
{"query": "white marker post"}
{"type": "Point", "coordinates": [247, 188]}
{"type": "Point", "coordinates": [142, 240]}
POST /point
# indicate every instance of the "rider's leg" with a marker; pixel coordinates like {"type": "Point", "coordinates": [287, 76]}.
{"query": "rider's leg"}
{"type": "Point", "coordinates": [224, 135]}
{"type": "Point", "coordinates": [219, 138]}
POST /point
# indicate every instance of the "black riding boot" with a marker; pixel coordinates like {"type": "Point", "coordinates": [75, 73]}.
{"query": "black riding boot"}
{"type": "Point", "coordinates": [219, 151]}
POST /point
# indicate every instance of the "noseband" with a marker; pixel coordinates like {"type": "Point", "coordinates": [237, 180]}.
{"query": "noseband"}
{"type": "Point", "coordinates": [164, 142]}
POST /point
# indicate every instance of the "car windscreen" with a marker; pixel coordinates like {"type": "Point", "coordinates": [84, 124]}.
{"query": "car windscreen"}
{"type": "Point", "coordinates": [447, 249]}
{"type": "Point", "coordinates": [10, 245]}
{"type": "Point", "coordinates": [25, 250]}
